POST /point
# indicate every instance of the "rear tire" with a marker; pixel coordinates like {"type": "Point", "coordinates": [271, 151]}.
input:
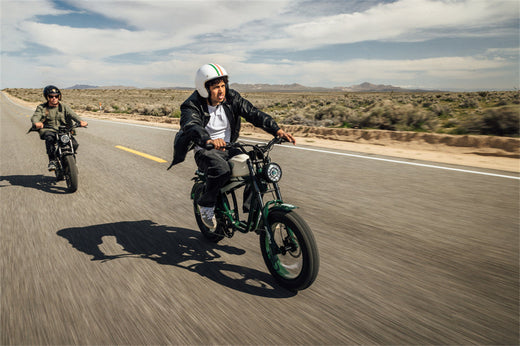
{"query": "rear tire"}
{"type": "Point", "coordinates": [298, 267]}
{"type": "Point", "coordinates": [213, 236]}
{"type": "Point", "coordinates": [71, 173]}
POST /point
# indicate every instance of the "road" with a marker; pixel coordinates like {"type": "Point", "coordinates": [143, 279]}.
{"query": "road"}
{"type": "Point", "coordinates": [410, 253]}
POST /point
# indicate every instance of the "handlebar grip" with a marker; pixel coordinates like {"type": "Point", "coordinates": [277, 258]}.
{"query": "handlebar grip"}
{"type": "Point", "coordinates": [209, 146]}
{"type": "Point", "coordinates": [280, 140]}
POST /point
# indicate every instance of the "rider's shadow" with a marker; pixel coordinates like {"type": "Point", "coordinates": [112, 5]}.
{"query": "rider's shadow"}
{"type": "Point", "coordinates": [38, 182]}
{"type": "Point", "coordinates": [170, 246]}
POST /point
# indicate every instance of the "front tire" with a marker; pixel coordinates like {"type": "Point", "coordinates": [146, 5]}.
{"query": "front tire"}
{"type": "Point", "coordinates": [296, 267]}
{"type": "Point", "coordinates": [71, 173]}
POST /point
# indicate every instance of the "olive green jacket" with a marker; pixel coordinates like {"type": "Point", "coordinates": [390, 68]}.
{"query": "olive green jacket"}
{"type": "Point", "coordinates": [53, 118]}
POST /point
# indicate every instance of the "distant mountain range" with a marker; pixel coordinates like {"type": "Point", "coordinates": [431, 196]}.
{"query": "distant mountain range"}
{"type": "Point", "coordinates": [364, 87]}
{"type": "Point", "coordinates": [83, 86]}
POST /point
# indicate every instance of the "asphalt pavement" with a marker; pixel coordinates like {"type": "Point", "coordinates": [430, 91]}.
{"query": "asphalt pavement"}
{"type": "Point", "coordinates": [411, 252]}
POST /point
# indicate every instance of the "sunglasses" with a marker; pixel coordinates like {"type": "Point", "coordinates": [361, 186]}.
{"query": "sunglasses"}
{"type": "Point", "coordinates": [54, 96]}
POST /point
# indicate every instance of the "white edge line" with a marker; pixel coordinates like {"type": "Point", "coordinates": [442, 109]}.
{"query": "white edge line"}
{"type": "Point", "coordinates": [344, 154]}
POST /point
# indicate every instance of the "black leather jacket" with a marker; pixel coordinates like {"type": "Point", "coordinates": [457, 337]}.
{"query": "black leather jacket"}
{"type": "Point", "coordinates": [195, 117]}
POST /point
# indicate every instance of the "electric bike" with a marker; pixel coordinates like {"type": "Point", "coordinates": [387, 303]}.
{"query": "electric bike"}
{"type": "Point", "coordinates": [288, 246]}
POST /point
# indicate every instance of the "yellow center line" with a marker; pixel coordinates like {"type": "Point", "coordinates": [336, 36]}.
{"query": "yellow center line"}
{"type": "Point", "coordinates": [140, 154]}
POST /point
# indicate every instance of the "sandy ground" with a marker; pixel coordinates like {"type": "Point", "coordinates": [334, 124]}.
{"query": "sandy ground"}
{"type": "Point", "coordinates": [482, 157]}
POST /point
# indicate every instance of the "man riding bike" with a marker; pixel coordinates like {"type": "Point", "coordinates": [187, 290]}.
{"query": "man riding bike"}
{"type": "Point", "coordinates": [211, 116]}
{"type": "Point", "coordinates": [47, 118]}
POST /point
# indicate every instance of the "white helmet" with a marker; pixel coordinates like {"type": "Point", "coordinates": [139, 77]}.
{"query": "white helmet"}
{"type": "Point", "coordinates": [205, 73]}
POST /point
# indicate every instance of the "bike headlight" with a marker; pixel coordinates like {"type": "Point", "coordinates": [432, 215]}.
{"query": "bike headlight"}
{"type": "Point", "coordinates": [273, 172]}
{"type": "Point", "coordinates": [65, 139]}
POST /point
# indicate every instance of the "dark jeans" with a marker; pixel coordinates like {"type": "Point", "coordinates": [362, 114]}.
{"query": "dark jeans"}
{"type": "Point", "coordinates": [50, 139]}
{"type": "Point", "coordinates": [214, 163]}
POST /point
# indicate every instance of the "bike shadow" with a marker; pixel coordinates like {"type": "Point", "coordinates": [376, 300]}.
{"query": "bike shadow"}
{"type": "Point", "coordinates": [39, 182]}
{"type": "Point", "coordinates": [179, 247]}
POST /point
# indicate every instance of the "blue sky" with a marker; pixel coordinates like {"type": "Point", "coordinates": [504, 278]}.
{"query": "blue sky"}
{"type": "Point", "coordinates": [431, 44]}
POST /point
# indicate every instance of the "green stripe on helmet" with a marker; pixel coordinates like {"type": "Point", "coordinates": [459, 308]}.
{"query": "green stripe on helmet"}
{"type": "Point", "coordinates": [216, 69]}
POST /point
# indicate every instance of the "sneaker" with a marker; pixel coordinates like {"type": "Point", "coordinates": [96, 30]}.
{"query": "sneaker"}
{"type": "Point", "coordinates": [52, 165]}
{"type": "Point", "coordinates": [207, 214]}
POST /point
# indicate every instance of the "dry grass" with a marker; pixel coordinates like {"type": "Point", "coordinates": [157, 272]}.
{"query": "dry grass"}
{"type": "Point", "coordinates": [487, 113]}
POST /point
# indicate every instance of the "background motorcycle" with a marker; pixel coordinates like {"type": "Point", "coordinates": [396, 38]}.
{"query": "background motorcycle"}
{"type": "Point", "coordinates": [286, 241]}
{"type": "Point", "coordinates": [65, 155]}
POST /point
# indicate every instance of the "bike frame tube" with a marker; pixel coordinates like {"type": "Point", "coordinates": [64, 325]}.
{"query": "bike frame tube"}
{"type": "Point", "coordinates": [232, 215]}
{"type": "Point", "coordinates": [258, 216]}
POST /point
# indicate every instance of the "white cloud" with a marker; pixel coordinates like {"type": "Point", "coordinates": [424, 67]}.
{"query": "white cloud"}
{"type": "Point", "coordinates": [156, 25]}
{"type": "Point", "coordinates": [332, 73]}
{"type": "Point", "coordinates": [194, 16]}
{"type": "Point", "coordinates": [229, 32]}
{"type": "Point", "coordinates": [95, 43]}
{"type": "Point", "coordinates": [407, 20]}
{"type": "Point", "coordinates": [179, 71]}
{"type": "Point", "coordinates": [15, 14]}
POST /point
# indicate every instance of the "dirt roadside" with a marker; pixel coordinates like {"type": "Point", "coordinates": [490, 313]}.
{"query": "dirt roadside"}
{"type": "Point", "coordinates": [473, 151]}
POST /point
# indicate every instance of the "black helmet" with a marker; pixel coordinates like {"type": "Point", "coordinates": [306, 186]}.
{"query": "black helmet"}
{"type": "Point", "coordinates": [51, 89]}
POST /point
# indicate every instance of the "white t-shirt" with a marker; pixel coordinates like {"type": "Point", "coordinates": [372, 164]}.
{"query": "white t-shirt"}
{"type": "Point", "coordinates": [218, 125]}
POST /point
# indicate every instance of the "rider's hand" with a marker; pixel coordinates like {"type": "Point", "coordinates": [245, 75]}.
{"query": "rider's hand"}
{"type": "Point", "coordinates": [281, 133]}
{"type": "Point", "coordinates": [38, 125]}
{"type": "Point", "coordinates": [218, 143]}
{"type": "Point", "coordinates": [83, 123]}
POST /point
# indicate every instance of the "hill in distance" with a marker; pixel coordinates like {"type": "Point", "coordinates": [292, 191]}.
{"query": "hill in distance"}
{"type": "Point", "coordinates": [83, 86]}
{"type": "Point", "coordinates": [276, 88]}
{"type": "Point", "coordinates": [369, 87]}
{"type": "Point", "coordinates": [364, 87]}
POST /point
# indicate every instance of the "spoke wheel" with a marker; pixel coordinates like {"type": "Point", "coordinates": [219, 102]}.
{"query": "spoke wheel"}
{"type": "Point", "coordinates": [295, 265]}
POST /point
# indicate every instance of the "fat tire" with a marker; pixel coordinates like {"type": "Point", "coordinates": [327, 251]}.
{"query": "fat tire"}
{"type": "Point", "coordinates": [212, 236]}
{"type": "Point", "coordinates": [307, 244]}
{"type": "Point", "coordinates": [71, 173]}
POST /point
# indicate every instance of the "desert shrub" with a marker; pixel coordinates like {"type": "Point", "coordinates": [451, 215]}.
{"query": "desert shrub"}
{"type": "Point", "coordinates": [468, 102]}
{"type": "Point", "coordinates": [175, 114]}
{"type": "Point", "coordinates": [390, 116]}
{"type": "Point", "coordinates": [355, 120]}
{"type": "Point", "coordinates": [441, 110]}
{"type": "Point", "coordinates": [515, 98]}
{"type": "Point", "coordinates": [119, 108]}
{"type": "Point", "coordinates": [167, 110]}
{"type": "Point", "coordinates": [494, 121]}
{"type": "Point", "coordinates": [332, 112]}
{"type": "Point", "coordinates": [482, 112]}
{"type": "Point", "coordinates": [501, 122]}
{"type": "Point", "coordinates": [298, 119]}
{"type": "Point", "coordinates": [157, 110]}
{"type": "Point", "coordinates": [138, 108]}
{"type": "Point", "coordinates": [448, 98]}
{"type": "Point", "coordinates": [450, 123]}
